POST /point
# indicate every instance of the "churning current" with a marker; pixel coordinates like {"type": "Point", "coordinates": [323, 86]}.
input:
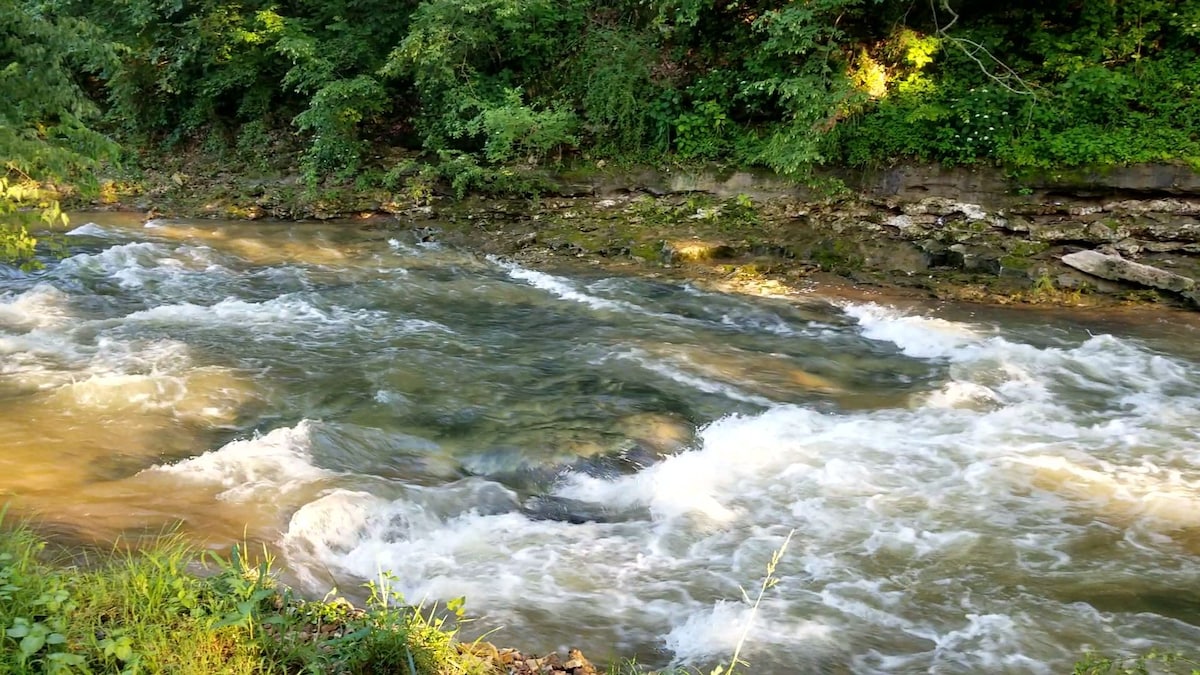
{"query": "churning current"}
{"type": "Point", "coordinates": [605, 462]}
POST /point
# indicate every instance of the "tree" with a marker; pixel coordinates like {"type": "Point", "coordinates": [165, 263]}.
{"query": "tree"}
{"type": "Point", "coordinates": [43, 115]}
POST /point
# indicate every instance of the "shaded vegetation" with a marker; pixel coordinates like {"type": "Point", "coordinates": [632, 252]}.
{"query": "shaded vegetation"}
{"type": "Point", "coordinates": [470, 85]}
{"type": "Point", "coordinates": [44, 117]}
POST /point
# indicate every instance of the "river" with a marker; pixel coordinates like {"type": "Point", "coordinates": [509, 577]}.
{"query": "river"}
{"type": "Point", "coordinates": [606, 462]}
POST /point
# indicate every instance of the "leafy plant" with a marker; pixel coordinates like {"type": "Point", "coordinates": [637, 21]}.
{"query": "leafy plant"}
{"type": "Point", "coordinates": [700, 133]}
{"type": "Point", "coordinates": [333, 118]}
{"type": "Point", "coordinates": [514, 130]}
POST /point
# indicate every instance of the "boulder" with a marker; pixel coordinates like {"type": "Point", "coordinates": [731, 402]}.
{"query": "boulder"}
{"type": "Point", "coordinates": [1117, 268]}
{"type": "Point", "coordinates": [578, 512]}
{"type": "Point", "coordinates": [974, 259]}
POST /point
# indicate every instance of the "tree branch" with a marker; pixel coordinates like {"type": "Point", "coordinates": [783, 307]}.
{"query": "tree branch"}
{"type": "Point", "coordinates": [1006, 78]}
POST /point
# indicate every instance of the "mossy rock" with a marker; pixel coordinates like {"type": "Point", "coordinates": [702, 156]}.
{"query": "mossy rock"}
{"type": "Point", "coordinates": [1015, 262]}
{"type": "Point", "coordinates": [839, 256]}
{"type": "Point", "coordinates": [696, 250]}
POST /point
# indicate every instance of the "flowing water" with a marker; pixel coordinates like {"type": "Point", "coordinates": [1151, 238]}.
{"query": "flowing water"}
{"type": "Point", "coordinates": [605, 462]}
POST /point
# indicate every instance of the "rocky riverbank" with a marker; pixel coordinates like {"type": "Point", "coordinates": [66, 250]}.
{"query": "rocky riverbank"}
{"type": "Point", "coordinates": [953, 234]}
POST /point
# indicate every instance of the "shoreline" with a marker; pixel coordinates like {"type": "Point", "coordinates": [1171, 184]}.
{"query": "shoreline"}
{"type": "Point", "coordinates": [920, 233]}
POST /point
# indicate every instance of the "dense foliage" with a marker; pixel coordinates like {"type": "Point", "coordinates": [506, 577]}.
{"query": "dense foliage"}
{"type": "Point", "coordinates": [781, 83]}
{"type": "Point", "coordinates": [43, 116]}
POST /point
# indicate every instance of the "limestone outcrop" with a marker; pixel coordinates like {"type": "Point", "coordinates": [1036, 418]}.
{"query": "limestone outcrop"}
{"type": "Point", "coordinates": [1116, 268]}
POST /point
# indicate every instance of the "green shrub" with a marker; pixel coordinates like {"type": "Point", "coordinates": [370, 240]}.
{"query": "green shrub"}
{"type": "Point", "coordinates": [333, 118]}
{"type": "Point", "coordinates": [514, 130]}
{"type": "Point", "coordinates": [613, 82]}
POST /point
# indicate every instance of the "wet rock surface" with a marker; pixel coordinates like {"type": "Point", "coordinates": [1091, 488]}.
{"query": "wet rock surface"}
{"type": "Point", "coordinates": [951, 233]}
{"type": "Point", "coordinates": [939, 246]}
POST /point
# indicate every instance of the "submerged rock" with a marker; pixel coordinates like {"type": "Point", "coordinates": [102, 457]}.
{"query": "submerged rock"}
{"type": "Point", "coordinates": [577, 512]}
{"type": "Point", "coordinates": [663, 433]}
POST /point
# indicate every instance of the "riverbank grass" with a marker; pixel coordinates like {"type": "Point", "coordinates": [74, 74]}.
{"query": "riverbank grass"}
{"type": "Point", "coordinates": [173, 609]}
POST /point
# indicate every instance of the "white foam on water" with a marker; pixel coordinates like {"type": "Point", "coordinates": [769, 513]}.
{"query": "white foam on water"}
{"type": "Point", "coordinates": [699, 482]}
{"type": "Point", "coordinates": [119, 259]}
{"type": "Point", "coordinates": [676, 374]}
{"type": "Point", "coordinates": [1147, 493]}
{"type": "Point", "coordinates": [389, 397]}
{"type": "Point", "coordinates": [71, 351]}
{"type": "Point", "coordinates": [991, 368]}
{"type": "Point", "coordinates": [137, 266]}
{"type": "Point", "coordinates": [234, 311]}
{"type": "Point", "coordinates": [968, 483]}
{"type": "Point", "coordinates": [117, 355]}
{"type": "Point", "coordinates": [986, 642]}
{"type": "Point", "coordinates": [89, 230]}
{"type": "Point", "coordinates": [714, 633]}
{"type": "Point", "coordinates": [422, 326]}
{"type": "Point", "coordinates": [329, 526]}
{"type": "Point", "coordinates": [767, 324]}
{"type": "Point", "coordinates": [127, 390]}
{"type": "Point", "coordinates": [276, 462]}
{"type": "Point", "coordinates": [559, 286]}
{"type": "Point", "coordinates": [498, 560]}
{"type": "Point", "coordinates": [568, 290]}
{"type": "Point", "coordinates": [956, 394]}
{"type": "Point", "coordinates": [402, 248]}
{"type": "Point", "coordinates": [210, 395]}
{"type": "Point", "coordinates": [918, 336]}
{"type": "Point", "coordinates": [42, 306]}
{"type": "Point", "coordinates": [285, 313]}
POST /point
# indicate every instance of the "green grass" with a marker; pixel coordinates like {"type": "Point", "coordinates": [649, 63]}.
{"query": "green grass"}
{"type": "Point", "coordinates": [172, 609]}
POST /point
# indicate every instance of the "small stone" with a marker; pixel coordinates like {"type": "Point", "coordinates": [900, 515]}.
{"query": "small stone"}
{"type": "Point", "coordinates": [578, 664]}
{"type": "Point", "coordinates": [1128, 246]}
